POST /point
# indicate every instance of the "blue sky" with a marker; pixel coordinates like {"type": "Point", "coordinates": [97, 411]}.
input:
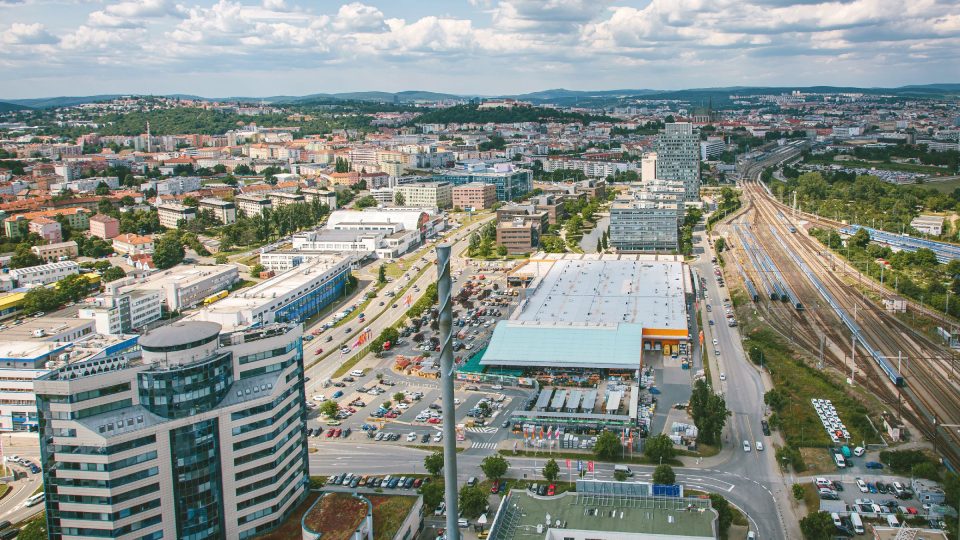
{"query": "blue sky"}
{"type": "Point", "coordinates": [293, 47]}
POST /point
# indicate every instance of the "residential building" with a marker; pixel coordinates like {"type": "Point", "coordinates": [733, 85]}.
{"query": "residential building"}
{"type": "Point", "coordinates": [56, 252]}
{"type": "Point", "coordinates": [426, 194]}
{"type": "Point", "coordinates": [174, 185]}
{"type": "Point", "coordinates": [648, 167]}
{"type": "Point", "coordinates": [44, 274]}
{"type": "Point", "coordinates": [252, 205]}
{"type": "Point", "coordinates": [47, 229]}
{"type": "Point", "coordinates": [327, 197]}
{"type": "Point", "coordinates": [519, 234]}
{"type": "Point", "coordinates": [201, 435]}
{"type": "Point", "coordinates": [678, 157]}
{"type": "Point", "coordinates": [77, 218]}
{"type": "Point", "coordinates": [474, 196]}
{"type": "Point", "coordinates": [224, 211]}
{"type": "Point", "coordinates": [593, 168]}
{"type": "Point", "coordinates": [511, 182]}
{"type": "Point", "coordinates": [292, 296]}
{"type": "Point", "coordinates": [133, 244]}
{"type": "Point", "coordinates": [280, 198]}
{"type": "Point", "coordinates": [171, 214]}
{"type": "Point", "coordinates": [104, 226]}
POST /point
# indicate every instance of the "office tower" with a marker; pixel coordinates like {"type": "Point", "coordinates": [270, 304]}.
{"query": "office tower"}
{"type": "Point", "coordinates": [678, 157]}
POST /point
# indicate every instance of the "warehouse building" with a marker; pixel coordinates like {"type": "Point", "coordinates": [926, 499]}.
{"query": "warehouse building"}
{"type": "Point", "coordinates": [593, 312]}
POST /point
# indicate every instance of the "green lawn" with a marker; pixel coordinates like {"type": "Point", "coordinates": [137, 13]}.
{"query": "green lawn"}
{"type": "Point", "coordinates": [943, 187]}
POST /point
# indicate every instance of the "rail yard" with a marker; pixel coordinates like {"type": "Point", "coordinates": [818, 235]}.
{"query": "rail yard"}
{"type": "Point", "coordinates": [818, 301]}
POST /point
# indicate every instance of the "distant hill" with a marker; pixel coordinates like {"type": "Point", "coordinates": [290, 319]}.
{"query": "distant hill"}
{"type": "Point", "coordinates": [7, 107]}
{"type": "Point", "coordinates": [62, 101]}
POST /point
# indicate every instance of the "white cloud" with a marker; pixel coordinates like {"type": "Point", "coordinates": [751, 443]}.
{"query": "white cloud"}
{"type": "Point", "coordinates": [357, 17]}
{"type": "Point", "coordinates": [27, 34]}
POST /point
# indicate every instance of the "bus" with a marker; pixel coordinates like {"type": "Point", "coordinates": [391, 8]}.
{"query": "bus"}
{"type": "Point", "coordinates": [35, 499]}
{"type": "Point", "coordinates": [215, 297]}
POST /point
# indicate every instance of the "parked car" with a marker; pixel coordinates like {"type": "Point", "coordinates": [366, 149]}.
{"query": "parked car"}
{"type": "Point", "coordinates": [873, 465]}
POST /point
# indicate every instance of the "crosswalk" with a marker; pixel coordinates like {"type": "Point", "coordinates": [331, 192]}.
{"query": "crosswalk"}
{"type": "Point", "coordinates": [484, 445]}
{"type": "Point", "coordinates": [485, 429]}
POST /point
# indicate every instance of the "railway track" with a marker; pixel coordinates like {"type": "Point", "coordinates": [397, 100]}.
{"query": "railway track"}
{"type": "Point", "coordinates": [931, 398]}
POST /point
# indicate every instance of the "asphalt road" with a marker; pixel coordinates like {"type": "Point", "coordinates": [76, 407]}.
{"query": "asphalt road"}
{"type": "Point", "coordinates": [12, 507]}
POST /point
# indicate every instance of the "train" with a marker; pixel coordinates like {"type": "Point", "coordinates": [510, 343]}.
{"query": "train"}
{"type": "Point", "coordinates": [891, 372]}
{"type": "Point", "coordinates": [945, 252]}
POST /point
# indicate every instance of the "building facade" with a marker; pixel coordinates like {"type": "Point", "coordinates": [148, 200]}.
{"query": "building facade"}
{"type": "Point", "coordinates": [224, 211]}
{"type": "Point", "coordinates": [105, 227]}
{"type": "Point", "coordinates": [200, 437]}
{"type": "Point", "coordinates": [56, 252]}
{"type": "Point", "coordinates": [476, 195]}
{"type": "Point", "coordinates": [643, 225]}
{"type": "Point", "coordinates": [171, 214]}
{"type": "Point", "coordinates": [44, 274]}
{"type": "Point", "coordinates": [47, 229]}
{"type": "Point", "coordinates": [678, 157]}
{"type": "Point", "coordinates": [252, 205]}
{"type": "Point", "coordinates": [426, 194]}
{"type": "Point", "coordinates": [511, 182]}
{"type": "Point", "coordinates": [133, 244]}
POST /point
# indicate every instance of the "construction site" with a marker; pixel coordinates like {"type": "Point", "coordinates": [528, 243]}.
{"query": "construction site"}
{"type": "Point", "coordinates": [840, 320]}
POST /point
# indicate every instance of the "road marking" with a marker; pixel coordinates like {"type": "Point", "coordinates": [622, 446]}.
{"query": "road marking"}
{"type": "Point", "coordinates": [482, 429]}
{"type": "Point", "coordinates": [484, 445]}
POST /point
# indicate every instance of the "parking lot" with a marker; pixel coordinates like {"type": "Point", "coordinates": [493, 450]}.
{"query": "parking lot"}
{"type": "Point", "coordinates": [416, 418]}
{"type": "Point", "coordinates": [872, 496]}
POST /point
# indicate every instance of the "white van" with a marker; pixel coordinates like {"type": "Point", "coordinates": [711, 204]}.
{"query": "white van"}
{"type": "Point", "coordinates": [898, 488]}
{"type": "Point", "coordinates": [857, 522]}
{"type": "Point", "coordinates": [892, 521]}
{"type": "Point", "coordinates": [624, 469]}
{"type": "Point", "coordinates": [836, 520]}
{"type": "Point", "coordinates": [356, 373]}
{"type": "Point", "coordinates": [35, 499]}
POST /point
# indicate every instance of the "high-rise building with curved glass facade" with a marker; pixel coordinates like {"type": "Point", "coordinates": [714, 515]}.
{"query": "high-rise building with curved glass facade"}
{"type": "Point", "coordinates": [198, 435]}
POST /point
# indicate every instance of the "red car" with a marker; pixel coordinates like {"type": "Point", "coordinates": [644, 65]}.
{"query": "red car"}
{"type": "Point", "coordinates": [552, 490]}
{"type": "Point", "coordinates": [330, 433]}
{"type": "Point", "coordinates": [339, 431]}
{"type": "Point", "coordinates": [911, 510]}
{"type": "Point", "coordinates": [319, 352]}
{"type": "Point", "coordinates": [434, 421]}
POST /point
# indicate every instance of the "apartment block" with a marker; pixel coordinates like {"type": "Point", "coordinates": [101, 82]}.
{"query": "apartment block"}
{"type": "Point", "coordinates": [252, 205]}
{"type": "Point", "coordinates": [280, 198]}
{"type": "Point", "coordinates": [426, 194]}
{"type": "Point", "coordinates": [201, 435]}
{"type": "Point", "coordinates": [47, 229]}
{"type": "Point", "coordinates": [105, 227]}
{"type": "Point", "coordinates": [56, 252]}
{"type": "Point", "coordinates": [475, 195]}
{"type": "Point", "coordinates": [224, 211]}
{"type": "Point", "coordinates": [172, 213]}
{"type": "Point", "coordinates": [133, 244]}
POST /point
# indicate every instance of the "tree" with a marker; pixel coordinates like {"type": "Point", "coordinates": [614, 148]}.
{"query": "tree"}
{"type": "Point", "coordinates": [40, 299]}
{"type": "Point", "coordinates": [23, 257]}
{"type": "Point", "coordinates": [724, 513]}
{"type": "Point", "coordinates": [797, 491]}
{"type": "Point", "coordinates": [551, 471]}
{"type": "Point", "coordinates": [102, 189]}
{"type": "Point", "coordinates": [72, 288]}
{"type": "Point", "coordinates": [658, 448]}
{"type": "Point", "coordinates": [168, 251]}
{"type": "Point", "coordinates": [618, 475]}
{"type": "Point", "coordinates": [399, 397]}
{"type": "Point", "coordinates": [399, 199]}
{"type": "Point", "coordinates": [608, 446]}
{"type": "Point", "coordinates": [387, 404]}
{"type": "Point", "coordinates": [221, 259]}
{"type": "Point", "coordinates": [599, 246]}
{"type": "Point", "coordinates": [382, 274]}
{"type": "Point", "coordinates": [256, 269]}
{"type": "Point", "coordinates": [501, 250]}
{"type": "Point", "coordinates": [473, 501]}
{"type": "Point", "coordinates": [719, 244]}
{"type": "Point", "coordinates": [664, 474]}
{"type": "Point", "coordinates": [818, 526]}
{"type": "Point", "coordinates": [432, 494]}
{"type": "Point", "coordinates": [860, 239]}
{"type": "Point", "coordinates": [35, 529]}
{"type": "Point", "coordinates": [434, 463]}
{"type": "Point", "coordinates": [329, 408]}
{"type": "Point", "coordinates": [112, 274]}
{"type": "Point", "coordinates": [709, 412]}
{"type": "Point", "coordinates": [242, 170]}
{"type": "Point", "coordinates": [367, 201]}
{"type": "Point", "coordinates": [341, 165]}
{"type": "Point", "coordinates": [494, 467]}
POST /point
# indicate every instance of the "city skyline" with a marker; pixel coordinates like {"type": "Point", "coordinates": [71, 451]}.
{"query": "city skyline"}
{"type": "Point", "coordinates": [492, 47]}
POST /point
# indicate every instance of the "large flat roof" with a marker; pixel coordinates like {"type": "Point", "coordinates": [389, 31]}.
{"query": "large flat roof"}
{"type": "Point", "coordinates": [528, 344]}
{"type": "Point", "coordinates": [637, 520]}
{"type": "Point", "coordinates": [607, 291]}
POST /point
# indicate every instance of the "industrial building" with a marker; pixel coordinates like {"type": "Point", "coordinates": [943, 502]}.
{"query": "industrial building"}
{"type": "Point", "coordinates": [593, 312]}
{"type": "Point", "coordinates": [42, 274]}
{"type": "Point", "coordinates": [603, 510]}
{"type": "Point", "coordinates": [292, 296]}
{"type": "Point", "coordinates": [199, 434]}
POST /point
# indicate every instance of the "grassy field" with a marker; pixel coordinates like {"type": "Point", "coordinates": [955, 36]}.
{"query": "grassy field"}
{"type": "Point", "coordinates": [943, 187]}
{"type": "Point", "coordinates": [800, 383]}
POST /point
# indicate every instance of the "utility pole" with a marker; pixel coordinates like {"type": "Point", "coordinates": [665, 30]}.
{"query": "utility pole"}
{"type": "Point", "coordinates": [445, 297]}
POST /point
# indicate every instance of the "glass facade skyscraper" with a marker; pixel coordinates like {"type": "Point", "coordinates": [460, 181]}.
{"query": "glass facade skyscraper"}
{"type": "Point", "coordinates": [678, 157]}
{"type": "Point", "coordinates": [196, 435]}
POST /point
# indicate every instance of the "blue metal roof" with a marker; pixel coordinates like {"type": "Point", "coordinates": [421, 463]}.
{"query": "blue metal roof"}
{"type": "Point", "coordinates": [618, 346]}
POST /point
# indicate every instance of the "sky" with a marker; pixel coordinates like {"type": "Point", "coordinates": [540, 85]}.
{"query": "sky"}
{"type": "Point", "coordinates": [483, 47]}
